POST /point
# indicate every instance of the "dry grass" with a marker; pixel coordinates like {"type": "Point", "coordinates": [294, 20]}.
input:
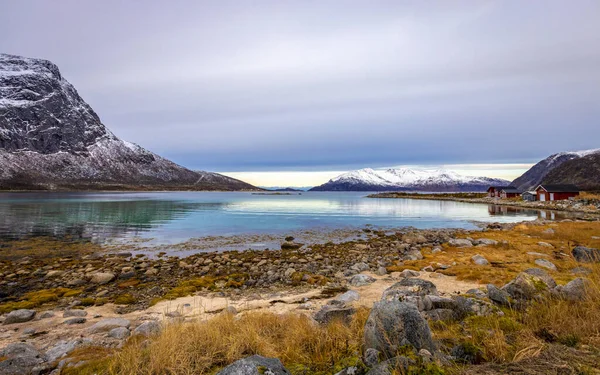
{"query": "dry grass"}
{"type": "Point", "coordinates": [589, 195]}
{"type": "Point", "coordinates": [203, 347]}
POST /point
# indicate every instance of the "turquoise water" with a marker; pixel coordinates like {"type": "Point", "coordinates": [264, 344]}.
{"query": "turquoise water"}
{"type": "Point", "coordinates": [179, 216]}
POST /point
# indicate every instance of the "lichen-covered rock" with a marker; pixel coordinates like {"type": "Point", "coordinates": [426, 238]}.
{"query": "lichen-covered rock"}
{"type": "Point", "coordinates": [525, 287]}
{"type": "Point", "coordinates": [498, 295]}
{"type": "Point", "coordinates": [460, 242]}
{"type": "Point", "coordinates": [255, 365]}
{"type": "Point", "coordinates": [395, 365]}
{"type": "Point", "coordinates": [409, 287]}
{"type": "Point", "coordinates": [546, 264]}
{"type": "Point", "coordinates": [543, 275]}
{"type": "Point", "coordinates": [393, 324]}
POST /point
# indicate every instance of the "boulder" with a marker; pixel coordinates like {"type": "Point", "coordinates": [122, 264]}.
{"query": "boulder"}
{"type": "Point", "coordinates": [255, 365]}
{"type": "Point", "coordinates": [102, 277]}
{"type": "Point", "coordinates": [381, 271]}
{"type": "Point", "coordinates": [409, 287]}
{"type": "Point", "coordinates": [371, 357]}
{"type": "Point", "coordinates": [498, 295]}
{"type": "Point", "coordinates": [486, 242]}
{"type": "Point", "coordinates": [290, 246]}
{"type": "Point", "coordinates": [71, 313]}
{"type": "Point", "coordinates": [360, 266]}
{"type": "Point", "coordinates": [147, 328]}
{"type": "Point", "coordinates": [409, 273]}
{"type": "Point", "coordinates": [546, 264]}
{"type": "Point", "coordinates": [331, 312]}
{"type": "Point", "coordinates": [120, 333]}
{"type": "Point", "coordinates": [349, 296]}
{"type": "Point", "coordinates": [62, 348]}
{"type": "Point", "coordinates": [108, 324]}
{"type": "Point", "coordinates": [586, 254]}
{"type": "Point", "coordinates": [460, 242]}
{"type": "Point", "coordinates": [361, 280]}
{"type": "Point", "coordinates": [21, 359]}
{"type": "Point", "coordinates": [19, 316]}
{"type": "Point", "coordinates": [543, 275]}
{"type": "Point", "coordinates": [393, 324]}
{"type": "Point", "coordinates": [76, 320]}
{"type": "Point", "coordinates": [480, 260]}
{"type": "Point", "coordinates": [575, 290]}
{"type": "Point", "coordinates": [525, 287]}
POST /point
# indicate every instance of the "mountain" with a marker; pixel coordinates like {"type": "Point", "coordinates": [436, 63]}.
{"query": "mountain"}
{"type": "Point", "coordinates": [406, 179]}
{"type": "Point", "coordinates": [286, 188]}
{"type": "Point", "coordinates": [50, 138]}
{"type": "Point", "coordinates": [576, 167]}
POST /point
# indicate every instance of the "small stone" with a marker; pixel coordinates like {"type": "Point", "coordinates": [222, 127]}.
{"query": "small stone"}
{"type": "Point", "coordinates": [108, 324]}
{"type": "Point", "coordinates": [546, 264]}
{"type": "Point", "coordinates": [480, 260]}
{"type": "Point", "coordinates": [75, 321]}
{"type": "Point", "coordinates": [545, 244]}
{"type": "Point", "coordinates": [102, 277]}
{"type": "Point", "coordinates": [349, 296]}
{"type": "Point", "coordinates": [381, 271]}
{"type": "Point", "coordinates": [255, 365]}
{"type": "Point", "coordinates": [410, 273]}
{"type": "Point", "coordinates": [47, 314]}
{"type": "Point", "coordinates": [77, 313]}
{"type": "Point", "coordinates": [485, 241]}
{"type": "Point", "coordinates": [361, 280]}
{"type": "Point", "coordinates": [460, 242]}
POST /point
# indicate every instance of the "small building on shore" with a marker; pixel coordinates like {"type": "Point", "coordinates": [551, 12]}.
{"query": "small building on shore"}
{"type": "Point", "coordinates": [495, 191]}
{"type": "Point", "coordinates": [509, 193]}
{"type": "Point", "coordinates": [556, 192]}
{"type": "Point", "coordinates": [529, 195]}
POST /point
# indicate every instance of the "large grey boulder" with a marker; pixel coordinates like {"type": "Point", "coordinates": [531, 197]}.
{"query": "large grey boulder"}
{"type": "Point", "coordinates": [586, 254]}
{"type": "Point", "coordinates": [543, 275]}
{"type": "Point", "coordinates": [19, 316]}
{"type": "Point", "coordinates": [148, 328]}
{"type": "Point", "coordinates": [393, 324]}
{"type": "Point", "coordinates": [21, 359]}
{"type": "Point", "coordinates": [525, 287]}
{"type": "Point", "coordinates": [62, 348]}
{"type": "Point", "coordinates": [498, 295]}
{"type": "Point", "coordinates": [575, 290]}
{"type": "Point", "coordinates": [255, 365]}
{"type": "Point", "coordinates": [108, 324]}
{"type": "Point", "coordinates": [361, 280]}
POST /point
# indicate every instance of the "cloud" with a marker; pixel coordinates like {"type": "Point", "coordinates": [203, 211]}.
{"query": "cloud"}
{"type": "Point", "coordinates": [334, 85]}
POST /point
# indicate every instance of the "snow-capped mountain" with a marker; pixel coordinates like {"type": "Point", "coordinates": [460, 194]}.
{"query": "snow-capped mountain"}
{"type": "Point", "coordinates": [572, 167]}
{"type": "Point", "coordinates": [50, 138]}
{"type": "Point", "coordinates": [407, 179]}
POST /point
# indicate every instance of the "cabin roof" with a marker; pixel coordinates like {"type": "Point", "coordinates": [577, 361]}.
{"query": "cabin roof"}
{"type": "Point", "coordinates": [566, 188]}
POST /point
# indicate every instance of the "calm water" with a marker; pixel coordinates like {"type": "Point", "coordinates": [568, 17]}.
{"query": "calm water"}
{"type": "Point", "coordinates": [179, 216]}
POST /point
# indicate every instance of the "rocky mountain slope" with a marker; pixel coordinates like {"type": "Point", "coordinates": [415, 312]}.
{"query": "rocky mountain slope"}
{"type": "Point", "coordinates": [562, 168]}
{"type": "Point", "coordinates": [406, 179]}
{"type": "Point", "coordinates": [50, 138]}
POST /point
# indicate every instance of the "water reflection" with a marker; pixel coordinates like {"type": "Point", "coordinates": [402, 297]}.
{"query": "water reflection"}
{"type": "Point", "coordinates": [176, 216]}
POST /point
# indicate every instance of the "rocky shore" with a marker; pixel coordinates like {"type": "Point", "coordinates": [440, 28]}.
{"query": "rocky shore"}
{"type": "Point", "coordinates": [53, 305]}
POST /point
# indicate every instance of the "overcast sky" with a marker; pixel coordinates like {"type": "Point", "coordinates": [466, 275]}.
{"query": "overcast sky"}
{"type": "Point", "coordinates": [327, 85]}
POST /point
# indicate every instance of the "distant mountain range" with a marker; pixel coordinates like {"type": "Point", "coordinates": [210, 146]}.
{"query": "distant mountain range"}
{"type": "Point", "coordinates": [286, 188]}
{"type": "Point", "coordinates": [580, 168]}
{"type": "Point", "coordinates": [51, 139]}
{"type": "Point", "coordinates": [407, 179]}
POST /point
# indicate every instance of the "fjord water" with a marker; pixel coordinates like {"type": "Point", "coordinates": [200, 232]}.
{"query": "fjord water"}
{"type": "Point", "coordinates": [179, 216]}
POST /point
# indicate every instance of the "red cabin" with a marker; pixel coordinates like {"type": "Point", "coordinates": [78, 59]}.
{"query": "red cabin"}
{"type": "Point", "coordinates": [556, 192]}
{"type": "Point", "coordinates": [509, 193]}
{"type": "Point", "coordinates": [495, 191]}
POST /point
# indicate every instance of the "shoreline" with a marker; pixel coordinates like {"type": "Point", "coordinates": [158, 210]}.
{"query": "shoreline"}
{"type": "Point", "coordinates": [560, 206]}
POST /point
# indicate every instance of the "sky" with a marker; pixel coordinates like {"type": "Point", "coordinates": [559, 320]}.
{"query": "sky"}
{"type": "Point", "coordinates": [295, 92]}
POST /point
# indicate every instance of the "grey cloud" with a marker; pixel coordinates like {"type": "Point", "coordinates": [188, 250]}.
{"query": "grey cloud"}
{"type": "Point", "coordinates": [262, 85]}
